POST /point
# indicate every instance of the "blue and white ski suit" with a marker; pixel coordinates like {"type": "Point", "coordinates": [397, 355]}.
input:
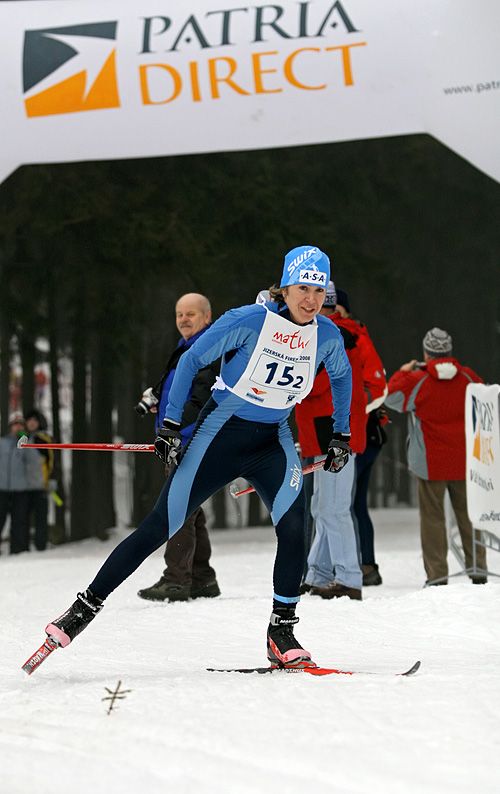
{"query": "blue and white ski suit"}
{"type": "Point", "coordinates": [239, 435]}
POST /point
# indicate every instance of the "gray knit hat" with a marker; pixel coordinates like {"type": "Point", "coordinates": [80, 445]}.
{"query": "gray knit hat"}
{"type": "Point", "coordinates": [437, 342]}
{"type": "Point", "coordinates": [331, 295]}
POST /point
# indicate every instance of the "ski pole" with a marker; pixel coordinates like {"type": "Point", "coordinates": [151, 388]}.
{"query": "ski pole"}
{"type": "Point", "coordinates": [22, 444]}
{"type": "Point", "coordinates": [233, 489]}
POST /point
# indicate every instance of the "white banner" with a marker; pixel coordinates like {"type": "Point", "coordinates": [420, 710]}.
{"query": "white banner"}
{"type": "Point", "coordinates": [482, 430]}
{"type": "Point", "coordinates": [90, 80]}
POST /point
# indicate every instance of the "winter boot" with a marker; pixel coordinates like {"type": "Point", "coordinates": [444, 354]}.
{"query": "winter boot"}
{"type": "Point", "coordinates": [65, 628]}
{"type": "Point", "coordinates": [283, 650]}
{"type": "Point", "coordinates": [163, 590]}
{"type": "Point", "coordinates": [337, 590]}
{"type": "Point", "coordinates": [371, 575]}
{"type": "Point", "coordinates": [208, 590]}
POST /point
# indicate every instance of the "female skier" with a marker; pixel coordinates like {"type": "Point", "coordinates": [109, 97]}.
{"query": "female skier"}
{"type": "Point", "coordinates": [270, 355]}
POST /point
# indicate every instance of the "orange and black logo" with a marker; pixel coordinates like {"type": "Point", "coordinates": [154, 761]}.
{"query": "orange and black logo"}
{"type": "Point", "coordinates": [482, 426]}
{"type": "Point", "coordinates": [70, 69]}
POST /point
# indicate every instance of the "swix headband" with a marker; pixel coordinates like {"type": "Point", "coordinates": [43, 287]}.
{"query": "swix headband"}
{"type": "Point", "coordinates": [306, 264]}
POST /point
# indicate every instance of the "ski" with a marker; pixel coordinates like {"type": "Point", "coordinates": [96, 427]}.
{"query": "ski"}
{"type": "Point", "coordinates": [50, 645]}
{"type": "Point", "coordinates": [35, 660]}
{"type": "Point", "coordinates": [311, 670]}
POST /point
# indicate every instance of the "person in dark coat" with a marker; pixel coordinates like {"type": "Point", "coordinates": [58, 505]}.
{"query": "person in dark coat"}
{"type": "Point", "coordinates": [188, 573]}
{"type": "Point", "coordinates": [39, 472]}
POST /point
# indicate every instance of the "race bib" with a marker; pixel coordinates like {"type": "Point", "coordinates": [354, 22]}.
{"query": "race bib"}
{"type": "Point", "coordinates": [281, 369]}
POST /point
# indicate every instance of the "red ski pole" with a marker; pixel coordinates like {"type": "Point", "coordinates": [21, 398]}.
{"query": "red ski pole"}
{"type": "Point", "coordinates": [23, 444]}
{"type": "Point", "coordinates": [233, 489]}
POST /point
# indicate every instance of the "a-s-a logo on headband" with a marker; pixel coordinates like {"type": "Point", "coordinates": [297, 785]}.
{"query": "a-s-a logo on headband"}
{"type": "Point", "coordinates": [70, 69]}
{"type": "Point", "coordinates": [315, 277]}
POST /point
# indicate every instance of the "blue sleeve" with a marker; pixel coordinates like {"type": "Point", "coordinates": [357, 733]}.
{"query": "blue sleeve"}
{"type": "Point", "coordinates": [227, 333]}
{"type": "Point", "coordinates": [339, 371]}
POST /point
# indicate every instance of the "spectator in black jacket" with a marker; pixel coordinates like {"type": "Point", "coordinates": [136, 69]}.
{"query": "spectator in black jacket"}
{"type": "Point", "coordinates": [188, 573]}
{"type": "Point", "coordinates": [38, 474]}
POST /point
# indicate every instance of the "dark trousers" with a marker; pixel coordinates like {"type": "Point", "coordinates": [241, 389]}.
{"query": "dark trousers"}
{"type": "Point", "coordinates": [187, 553]}
{"type": "Point", "coordinates": [433, 535]}
{"type": "Point", "coordinates": [15, 503]}
{"type": "Point", "coordinates": [364, 465]}
{"type": "Point", "coordinates": [38, 508]}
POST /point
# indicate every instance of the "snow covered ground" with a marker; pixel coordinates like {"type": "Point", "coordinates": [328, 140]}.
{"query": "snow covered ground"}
{"type": "Point", "coordinates": [184, 730]}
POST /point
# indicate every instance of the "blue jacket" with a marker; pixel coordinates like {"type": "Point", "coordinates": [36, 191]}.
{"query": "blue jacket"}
{"type": "Point", "coordinates": [234, 336]}
{"type": "Point", "coordinates": [16, 465]}
{"type": "Point", "coordinates": [198, 393]}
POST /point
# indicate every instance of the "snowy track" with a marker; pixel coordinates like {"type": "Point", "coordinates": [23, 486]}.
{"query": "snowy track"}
{"type": "Point", "coordinates": [185, 730]}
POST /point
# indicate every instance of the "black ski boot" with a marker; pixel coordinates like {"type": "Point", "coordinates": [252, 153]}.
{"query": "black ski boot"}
{"type": "Point", "coordinates": [283, 650]}
{"type": "Point", "coordinates": [65, 628]}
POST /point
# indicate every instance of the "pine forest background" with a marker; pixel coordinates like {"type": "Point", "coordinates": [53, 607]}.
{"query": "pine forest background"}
{"type": "Point", "coordinates": [94, 255]}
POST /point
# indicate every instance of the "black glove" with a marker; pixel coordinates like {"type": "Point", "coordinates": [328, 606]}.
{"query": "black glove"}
{"type": "Point", "coordinates": [338, 452]}
{"type": "Point", "coordinates": [168, 442]}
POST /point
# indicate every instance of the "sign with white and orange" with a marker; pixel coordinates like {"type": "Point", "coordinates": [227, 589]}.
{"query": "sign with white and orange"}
{"type": "Point", "coordinates": [482, 430]}
{"type": "Point", "coordinates": [87, 80]}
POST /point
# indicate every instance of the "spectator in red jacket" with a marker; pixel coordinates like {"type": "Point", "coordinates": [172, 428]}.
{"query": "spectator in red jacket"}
{"type": "Point", "coordinates": [375, 386]}
{"type": "Point", "coordinates": [434, 393]}
{"type": "Point", "coordinates": [333, 561]}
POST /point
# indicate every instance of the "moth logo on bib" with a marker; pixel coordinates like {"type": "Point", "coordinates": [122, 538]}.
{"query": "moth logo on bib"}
{"type": "Point", "coordinates": [294, 341]}
{"type": "Point", "coordinates": [315, 277]}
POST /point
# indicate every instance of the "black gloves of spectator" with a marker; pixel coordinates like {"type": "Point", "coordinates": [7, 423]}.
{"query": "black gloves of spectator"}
{"type": "Point", "coordinates": [168, 442]}
{"type": "Point", "coordinates": [338, 452]}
